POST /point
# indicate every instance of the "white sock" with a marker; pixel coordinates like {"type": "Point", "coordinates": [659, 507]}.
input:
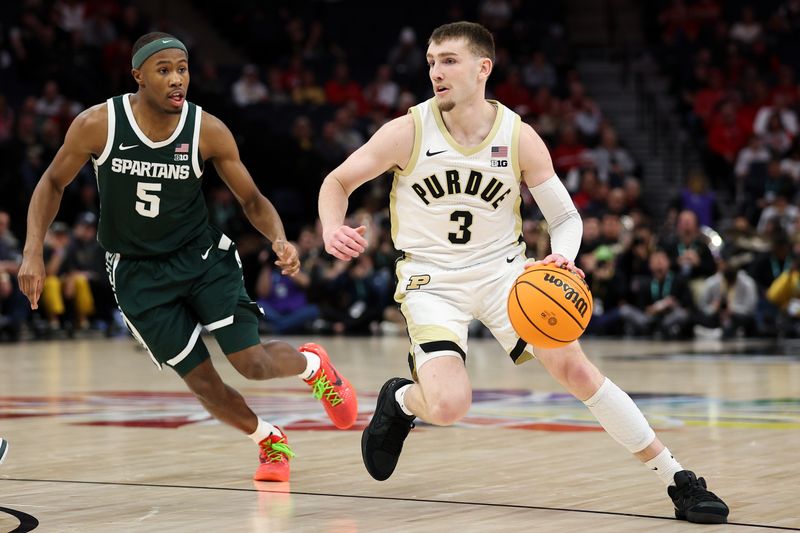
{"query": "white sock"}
{"type": "Point", "coordinates": [665, 467]}
{"type": "Point", "coordinates": [263, 431]}
{"type": "Point", "coordinates": [312, 365]}
{"type": "Point", "coordinates": [400, 396]}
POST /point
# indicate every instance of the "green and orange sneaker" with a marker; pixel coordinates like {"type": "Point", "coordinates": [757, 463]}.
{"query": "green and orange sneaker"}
{"type": "Point", "coordinates": [333, 390]}
{"type": "Point", "coordinates": [274, 454]}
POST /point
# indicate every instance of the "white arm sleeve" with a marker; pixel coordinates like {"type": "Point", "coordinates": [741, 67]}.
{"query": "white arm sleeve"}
{"type": "Point", "coordinates": [565, 225]}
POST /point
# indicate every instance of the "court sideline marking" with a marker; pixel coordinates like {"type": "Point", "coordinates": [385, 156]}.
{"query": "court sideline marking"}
{"type": "Point", "coordinates": [384, 498]}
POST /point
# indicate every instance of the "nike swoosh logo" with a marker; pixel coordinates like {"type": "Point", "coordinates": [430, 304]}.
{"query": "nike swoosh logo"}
{"type": "Point", "coordinates": [429, 153]}
{"type": "Point", "coordinates": [165, 41]}
{"type": "Point", "coordinates": [123, 147]}
{"type": "Point", "coordinates": [205, 255]}
{"type": "Point", "coordinates": [510, 259]}
{"type": "Point", "coordinates": [338, 381]}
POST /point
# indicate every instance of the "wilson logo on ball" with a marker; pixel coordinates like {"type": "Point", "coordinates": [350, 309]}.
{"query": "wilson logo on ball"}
{"type": "Point", "coordinates": [570, 294]}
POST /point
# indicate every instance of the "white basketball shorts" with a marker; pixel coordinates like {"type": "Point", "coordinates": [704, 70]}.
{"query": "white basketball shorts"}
{"type": "Point", "coordinates": [439, 304]}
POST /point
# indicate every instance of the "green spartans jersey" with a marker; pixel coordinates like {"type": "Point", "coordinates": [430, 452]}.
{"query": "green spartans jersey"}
{"type": "Point", "coordinates": [151, 202]}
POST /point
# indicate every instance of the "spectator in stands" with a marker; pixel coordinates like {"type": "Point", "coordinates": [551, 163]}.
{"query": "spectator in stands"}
{"type": "Point", "coordinates": [695, 196]}
{"type": "Point", "coordinates": [747, 30]}
{"type": "Point", "coordinates": [614, 163]}
{"type": "Point", "coordinates": [609, 288]}
{"type": "Point", "coordinates": [586, 113]}
{"type": "Point", "coordinates": [283, 298]}
{"type": "Point", "coordinates": [406, 58]}
{"type": "Point", "coordinates": [728, 300]}
{"type": "Point", "coordinates": [86, 288]}
{"type": "Point", "coordinates": [689, 253]}
{"type": "Point", "coordinates": [308, 92]}
{"type": "Point", "coordinates": [663, 302]}
{"type": "Point", "coordinates": [13, 308]}
{"type": "Point", "coordinates": [248, 89]}
{"type": "Point", "coordinates": [513, 93]}
{"type": "Point", "coordinates": [780, 108]}
{"type": "Point", "coordinates": [786, 214]}
{"type": "Point", "coordinates": [382, 91]}
{"type": "Point", "coordinates": [357, 298]}
{"type": "Point", "coordinates": [784, 292]}
{"type": "Point", "coordinates": [341, 89]}
{"type": "Point", "coordinates": [725, 139]}
{"type": "Point", "coordinates": [547, 117]}
{"type": "Point", "coordinates": [776, 138]}
{"type": "Point", "coordinates": [569, 153]}
{"type": "Point", "coordinates": [50, 102]}
{"type": "Point", "coordinates": [790, 165]}
{"type": "Point", "coordinates": [347, 134]}
{"type": "Point", "coordinates": [538, 73]}
{"type": "Point", "coordinates": [755, 153]}
{"type": "Point", "coordinates": [765, 269]}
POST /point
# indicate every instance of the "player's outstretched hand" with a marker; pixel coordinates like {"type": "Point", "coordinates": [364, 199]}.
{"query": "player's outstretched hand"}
{"type": "Point", "coordinates": [31, 278]}
{"type": "Point", "coordinates": [346, 243]}
{"type": "Point", "coordinates": [560, 261]}
{"type": "Point", "coordinates": [288, 260]}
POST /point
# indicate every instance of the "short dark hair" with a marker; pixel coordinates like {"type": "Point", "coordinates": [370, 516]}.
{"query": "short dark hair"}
{"type": "Point", "coordinates": [479, 39]}
{"type": "Point", "coordinates": [149, 38]}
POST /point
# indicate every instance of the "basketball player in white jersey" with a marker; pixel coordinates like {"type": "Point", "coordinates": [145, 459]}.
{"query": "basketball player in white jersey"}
{"type": "Point", "coordinates": [458, 160]}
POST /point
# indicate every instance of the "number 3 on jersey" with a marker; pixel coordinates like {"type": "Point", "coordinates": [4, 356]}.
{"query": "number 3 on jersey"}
{"type": "Point", "coordinates": [464, 218]}
{"type": "Point", "coordinates": [148, 207]}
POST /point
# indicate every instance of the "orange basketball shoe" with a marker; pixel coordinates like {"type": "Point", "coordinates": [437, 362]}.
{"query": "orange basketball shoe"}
{"type": "Point", "coordinates": [337, 395]}
{"type": "Point", "coordinates": [274, 454]}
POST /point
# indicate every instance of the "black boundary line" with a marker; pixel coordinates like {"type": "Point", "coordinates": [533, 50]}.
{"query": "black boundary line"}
{"type": "Point", "coordinates": [384, 498]}
{"type": "Point", "coordinates": [26, 521]}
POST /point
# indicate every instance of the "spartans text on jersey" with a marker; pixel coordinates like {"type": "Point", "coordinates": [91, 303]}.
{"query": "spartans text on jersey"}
{"type": "Point", "coordinates": [150, 170]}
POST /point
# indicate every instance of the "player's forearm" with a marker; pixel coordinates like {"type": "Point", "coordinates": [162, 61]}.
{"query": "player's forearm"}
{"type": "Point", "coordinates": [42, 210]}
{"type": "Point", "coordinates": [332, 204]}
{"type": "Point", "coordinates": [263, 216]}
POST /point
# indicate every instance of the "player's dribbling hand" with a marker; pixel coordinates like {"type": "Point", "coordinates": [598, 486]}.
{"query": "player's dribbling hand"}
{"type": "Point", "coordinates": [31, 279]}
{"type": "Point", "coordinates": [346, 243]}
{"type": "Point", "coordinates": [288, 260]}
{"type": "Point", "coordinates": [560, 261]}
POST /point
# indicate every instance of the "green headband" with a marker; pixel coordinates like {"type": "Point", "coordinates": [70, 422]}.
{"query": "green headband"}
{"type": "Point", "coordinates": [156, 46]}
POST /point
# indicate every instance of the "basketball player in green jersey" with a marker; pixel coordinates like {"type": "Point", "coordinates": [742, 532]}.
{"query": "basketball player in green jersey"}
{"type": "Point", "coordinates": [172, 272]}
{"type": "Point", "coordinates": [458, 162]}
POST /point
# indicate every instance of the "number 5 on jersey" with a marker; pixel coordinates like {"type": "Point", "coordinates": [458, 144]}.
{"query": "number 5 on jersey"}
{"type": "Point", "coordinates": [148, 207]}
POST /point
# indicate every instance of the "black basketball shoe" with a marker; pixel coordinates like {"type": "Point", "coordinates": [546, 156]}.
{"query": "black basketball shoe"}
{"type": "Point", "coordinates": [694, 502]}
{"type": "Point", "coordinates": [382, 440]}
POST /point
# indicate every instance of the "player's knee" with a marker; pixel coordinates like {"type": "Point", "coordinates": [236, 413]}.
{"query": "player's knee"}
{"type": "Point", "coordinates": [446, 411]}
{"type": "Point", "coordinates": [581, 375]}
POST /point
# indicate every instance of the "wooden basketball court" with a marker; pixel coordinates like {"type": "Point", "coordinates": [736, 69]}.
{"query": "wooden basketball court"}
{"type": "Point", "coordinates": [101, 441]}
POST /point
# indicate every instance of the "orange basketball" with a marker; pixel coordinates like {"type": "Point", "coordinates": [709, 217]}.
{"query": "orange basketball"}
{"type": "Point", "coordinates": [549, 306]}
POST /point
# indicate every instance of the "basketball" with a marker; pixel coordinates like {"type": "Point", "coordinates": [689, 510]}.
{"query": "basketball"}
{"type": "Point", "coordinates": [549, 306]}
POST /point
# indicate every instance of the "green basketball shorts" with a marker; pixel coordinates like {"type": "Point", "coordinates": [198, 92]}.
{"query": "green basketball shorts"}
{"type": "Point", "coordinates": [167, 301]}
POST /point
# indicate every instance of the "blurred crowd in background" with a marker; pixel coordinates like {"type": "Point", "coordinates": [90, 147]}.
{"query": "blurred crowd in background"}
{"type": "Point", "coordinates": [721, 260]}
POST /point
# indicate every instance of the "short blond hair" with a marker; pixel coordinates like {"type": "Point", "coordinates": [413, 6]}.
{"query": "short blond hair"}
{"type": "Point", "coordinates": [479, 39]}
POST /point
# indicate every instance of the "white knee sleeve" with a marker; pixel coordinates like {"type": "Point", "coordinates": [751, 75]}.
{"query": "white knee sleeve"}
{"type": "Point", "coordinates": [620, 417]}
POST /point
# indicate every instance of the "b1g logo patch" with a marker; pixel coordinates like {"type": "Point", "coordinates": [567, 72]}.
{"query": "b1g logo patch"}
{"type": "Point", "coordinates": [499, 162]}
{"type": "Point", "coordinates": [415, 282]}
{"type": "Point", "coordinates": [181, 157]}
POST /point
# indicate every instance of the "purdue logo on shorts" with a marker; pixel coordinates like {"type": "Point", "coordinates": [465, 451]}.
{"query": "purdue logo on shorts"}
{"type": "Point", "coordinates": [415, 282]}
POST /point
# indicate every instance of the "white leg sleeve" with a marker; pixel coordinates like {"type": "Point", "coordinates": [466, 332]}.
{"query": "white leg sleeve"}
{"type": "Point", "coordinates": [620, 417]}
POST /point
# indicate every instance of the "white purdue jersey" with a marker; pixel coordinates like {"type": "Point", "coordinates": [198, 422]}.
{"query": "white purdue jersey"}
{"type": "Point", "coordinates": [456, 206]}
